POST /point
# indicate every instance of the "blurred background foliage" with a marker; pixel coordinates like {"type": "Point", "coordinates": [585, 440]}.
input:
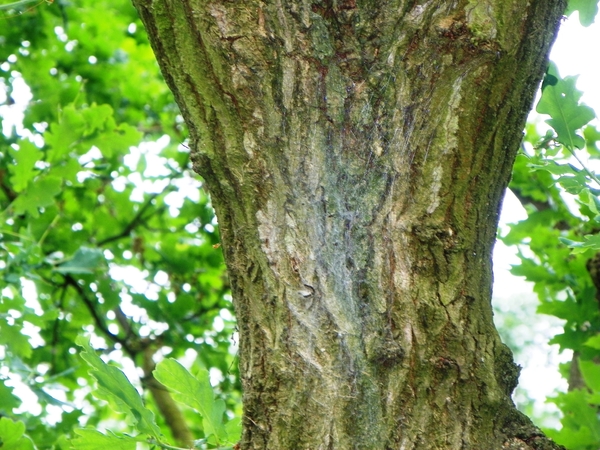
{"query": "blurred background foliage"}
{"type": "Point", "coordinates": [105, 231]}
{"type": "Point", "coordinates": [104, 228]}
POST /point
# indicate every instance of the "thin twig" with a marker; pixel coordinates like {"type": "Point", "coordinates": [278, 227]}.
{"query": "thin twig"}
{"type": "Point", "coordinates": [100, 323]}
{"type": "Point", "coordinates": [134, 222]}
{"type": "Point", "coordinates": [17, 4]}
{"type": "Point", "coordinates": [585, 169]}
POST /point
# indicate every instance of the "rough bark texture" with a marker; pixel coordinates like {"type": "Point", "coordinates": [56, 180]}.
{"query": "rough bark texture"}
{"type": "Point", "coordinates": [357, 153]}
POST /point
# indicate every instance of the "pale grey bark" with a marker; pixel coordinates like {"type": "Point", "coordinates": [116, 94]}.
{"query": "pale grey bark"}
{"type": "Point", "coordinates": [357, 154]}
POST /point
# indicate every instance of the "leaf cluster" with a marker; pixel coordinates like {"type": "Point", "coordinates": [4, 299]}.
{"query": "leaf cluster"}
{"type": "Point", "coordinates": [558, 244]}
{"type": "Point", "coordinates": [193, 391]}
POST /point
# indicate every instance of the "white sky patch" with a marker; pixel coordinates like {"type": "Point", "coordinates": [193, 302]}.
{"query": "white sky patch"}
{"type": "Point", "coordinates": [145, 186]}
{"type": "Point", "coordinates": [136, 279]}
{"type": "Point", "coordinates": [13, 115]}
{"type": "Point", "coordinates": [218, 324]}
{"type": "Point", "coordinates": [161, 278]}
{"type": "Point", "coordinates": [189, 186]}
{"type": "Point", "coordinates": [29, 399]}
{"type": "Point", "coordinates": [33, 331]}
{"type": "Point", "coordinates": [156, 166]}
{"type": "Point", "coordinates": [576, 53]}
{"type": "Point", "coordinates": [215, 375]}
{"type": "Point", "coordinates": [93, 154]}
{"type": "Point", "coordinates": [29, 293]}
{"type": "Point", "coordinates": [175, 201]}
{"type": "Point", "coordinates": [119, 184]}
{"type": "Point", "coordinates": [226, 315]}
{"type": "Point", "coordinates": [3, 91]}
{"type": "Point", "coordinates": [132, 158]}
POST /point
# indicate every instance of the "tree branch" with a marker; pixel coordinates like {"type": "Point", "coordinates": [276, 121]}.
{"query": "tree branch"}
{"type": "Point", "coordinates": [167, 406]}
{"type": "Point", "coordinates": [131, 225]}
{"type": "Point", "coordinates": [100, 323]}
{"type": "Point", "coordinates": [165, 403]}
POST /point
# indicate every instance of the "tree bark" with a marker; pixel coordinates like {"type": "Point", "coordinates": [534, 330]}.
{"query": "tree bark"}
{"type": "Point", "coordinates": [357, 154]}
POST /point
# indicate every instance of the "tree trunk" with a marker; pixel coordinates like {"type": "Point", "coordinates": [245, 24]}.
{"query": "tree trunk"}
{"type": "Point", "coordinates": [357, 157]}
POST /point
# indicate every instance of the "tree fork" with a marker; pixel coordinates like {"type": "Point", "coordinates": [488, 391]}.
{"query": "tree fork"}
{"type": "Point", "coordinates": [357, 155]}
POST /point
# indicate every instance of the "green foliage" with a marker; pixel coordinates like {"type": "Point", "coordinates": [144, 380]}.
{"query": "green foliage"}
{"type": "Point", "coordinates": [104, 231]}
{"type": "Point", "coordinates": [115, 388]}
{"type": "Point", "coordinates": [12, 435]}
{"type": "Point", "coordinates": [560, 100]}
{"type": "Point", "coordinates": [581, 427]}
{"type": "Point", "coordinates": [588, 9]}
{"type": "Point", "coordinates": [94, 440]}
{"type": "Point", "coordinates": [197, 393]}
{"type": "Point", "coordinates": [560, 194]}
